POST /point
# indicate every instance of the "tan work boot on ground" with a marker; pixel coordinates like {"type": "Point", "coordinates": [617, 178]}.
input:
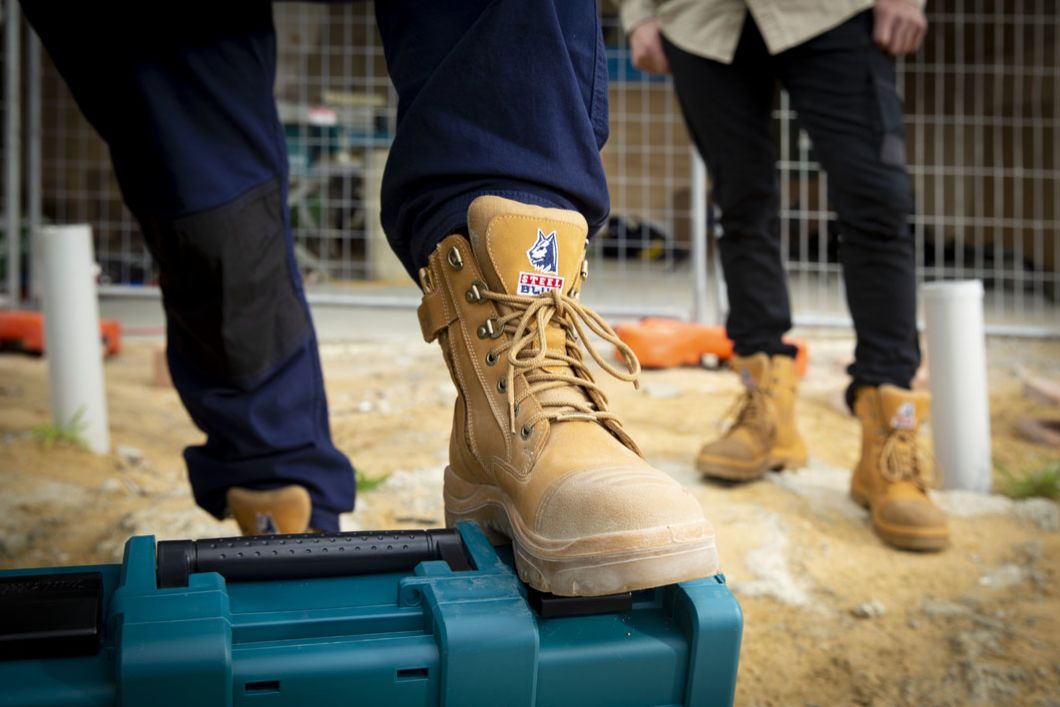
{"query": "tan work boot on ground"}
{"type": "Point", "coordinates": [276, 511]}
{"type": "Point", "coordinates": [892, 477]}
{"type": "Point", "coordinates": [762, 435]}
{"type": "Point", "coordinates": [535, 455]}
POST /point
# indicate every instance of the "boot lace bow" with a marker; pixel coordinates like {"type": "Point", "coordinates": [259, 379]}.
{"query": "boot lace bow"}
{"type": "Point", "coordinates": [903, 459]}
{"type": "Point", "coordinates": [527, 320]}
{"type": "Point", "coordinates": [749, 410]}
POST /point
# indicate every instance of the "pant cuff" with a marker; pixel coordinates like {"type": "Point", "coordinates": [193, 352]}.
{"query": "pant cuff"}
{"type": "Point", "coordinates": [454, 219]}
{"type": "Point", "coordinates": [855, 385]}
{"type": "Point", "coordinates": [326, 521]}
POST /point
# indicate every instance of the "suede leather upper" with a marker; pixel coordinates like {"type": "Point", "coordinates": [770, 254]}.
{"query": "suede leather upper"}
{"type": "Point", "coordinates": [892, 475]}
{"type": "Point", "coordinates": [764, 434]}
{"type": "Point", "coordinates": [571, 476]}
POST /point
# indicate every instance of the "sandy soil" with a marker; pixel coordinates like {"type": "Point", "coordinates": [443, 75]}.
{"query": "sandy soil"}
{"type": "Point", "coordinates": [832, 615]}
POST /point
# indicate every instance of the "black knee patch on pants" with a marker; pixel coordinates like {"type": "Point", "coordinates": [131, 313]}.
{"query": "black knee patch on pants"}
{"type": "Point", "coordinates": [230, 299]}
{"type": "Point", "coordinates": [889, 120]}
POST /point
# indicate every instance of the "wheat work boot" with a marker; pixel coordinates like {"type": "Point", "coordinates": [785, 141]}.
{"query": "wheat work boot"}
{"type": "Point", "coordinates": [535, 455]}
{"type": "Point", "coordinates": [789, 449]}
{"type": "Point", "coordinates": [892, 476]}
{"type": "Point", "coordinates": [762, 435]}
{"type": "Point", "coordinates": [276, 511]}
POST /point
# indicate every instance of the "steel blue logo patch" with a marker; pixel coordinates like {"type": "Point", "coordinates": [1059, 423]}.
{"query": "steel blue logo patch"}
{"type": "Point", "coordinates": [904, 417]}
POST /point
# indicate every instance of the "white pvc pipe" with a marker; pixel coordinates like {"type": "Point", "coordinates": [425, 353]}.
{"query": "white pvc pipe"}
{"type": "Point", "coordinates": [71, 333]}
{"type": "Point", "coordinates": [956, 353]}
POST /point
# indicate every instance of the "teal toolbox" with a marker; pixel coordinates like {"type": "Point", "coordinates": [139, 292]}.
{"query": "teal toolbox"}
{"type": "Point", "coordinates": [259, 622]}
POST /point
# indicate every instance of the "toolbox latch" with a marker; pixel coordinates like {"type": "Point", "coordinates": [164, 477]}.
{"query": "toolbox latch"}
{"type": "Point", "coordinates": [51, 615]}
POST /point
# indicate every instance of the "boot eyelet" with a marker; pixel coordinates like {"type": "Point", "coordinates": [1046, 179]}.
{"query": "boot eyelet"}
{"type": "Point", "coordinates": [474, 295]}
{"type": "Point", "coordinates": [517, 409]}
{"type": "Point", "coordinates": [526, 432]}
{"type": "Point", "coordinates": [502, 385]}
{"type": "Point", "coordinates": [456, 261]}
{"type": "Point", "coordinates": [488, 330]}
{"type": "Point", "coordinates": [491, 358]}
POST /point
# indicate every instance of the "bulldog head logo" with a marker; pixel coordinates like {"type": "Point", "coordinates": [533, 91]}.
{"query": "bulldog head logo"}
{"type": "Point", "coordinates": [543, 254]}
{"type": "Point", "coordinates": [904, 417]}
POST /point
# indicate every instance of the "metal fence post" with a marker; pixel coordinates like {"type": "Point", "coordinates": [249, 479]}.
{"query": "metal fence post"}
{"type": "Point", "coordinates": [13, 149]}
{"type": "Point", "coordinates": [699, 239]}
{"type": "Point", "coordinates": [33, 118]}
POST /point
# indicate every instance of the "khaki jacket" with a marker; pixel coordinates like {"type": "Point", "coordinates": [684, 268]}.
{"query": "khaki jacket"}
{"type": "Point", "coordinates": [711, 28]}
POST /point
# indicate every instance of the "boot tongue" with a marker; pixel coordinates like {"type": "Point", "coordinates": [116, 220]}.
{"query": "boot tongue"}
{"type": "Point", "coordinates": [530, 250]}
{"type": "Point", "coordinates": [903, 409]}
{"type": "Point", "coordinates": [753, 370]}
{"type": "Point", "coordinates": [526, 250]}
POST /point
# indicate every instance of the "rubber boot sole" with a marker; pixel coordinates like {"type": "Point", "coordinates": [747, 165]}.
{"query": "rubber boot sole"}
{"type": "Point", "coordinates": [608, 563]}
{"type": "Point", "coordinates": [728, 470]}
{"type": "Point", "coordinates": [791, 457]}
{"type": "Point", "coordinates": [904, 538]}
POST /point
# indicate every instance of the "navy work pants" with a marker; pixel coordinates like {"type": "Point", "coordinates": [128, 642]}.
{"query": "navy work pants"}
{"type": "Point", "coordinates": [505, 97]}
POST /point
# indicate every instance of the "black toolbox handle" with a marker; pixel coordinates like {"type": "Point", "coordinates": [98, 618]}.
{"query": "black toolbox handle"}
{"type": "Point", "coordinates": [308, 555]}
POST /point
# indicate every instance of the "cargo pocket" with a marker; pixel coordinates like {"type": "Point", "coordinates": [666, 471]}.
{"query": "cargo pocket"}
{"type": "Point", "coordinates": [598, 111]}
{"type": "Point", "coordinates": [231, 305]}
{"type": "Point", "coordinates": [889, 122]}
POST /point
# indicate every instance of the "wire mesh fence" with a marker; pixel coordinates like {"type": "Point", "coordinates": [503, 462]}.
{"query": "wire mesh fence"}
{"type": "Point", "coordinates": [985, 156]}
{"type": "Point", "coordinates": [982, 111]}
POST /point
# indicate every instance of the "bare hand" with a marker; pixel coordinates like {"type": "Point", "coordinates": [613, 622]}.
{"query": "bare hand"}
{"type": "Point", "coordinates": [646, 44]}
{"type": "Point", "coordinates": [900, 26]}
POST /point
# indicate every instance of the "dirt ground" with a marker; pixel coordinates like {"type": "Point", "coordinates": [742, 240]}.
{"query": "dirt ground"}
{"type": "Point", "coordinates": [832, 616]}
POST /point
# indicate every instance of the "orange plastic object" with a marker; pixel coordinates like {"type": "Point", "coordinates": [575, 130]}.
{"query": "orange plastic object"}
{"type": "Point", "coordinates": [24, 331]}
{"type": "Point", "coordinates": [665, 343]}
{"type": "Point", "coordinates": [110, 335]}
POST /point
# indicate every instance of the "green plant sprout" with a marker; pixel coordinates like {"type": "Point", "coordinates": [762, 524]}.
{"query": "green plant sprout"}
{"type": "Point", "coordinates": [1043, 482]}
{"type": "Point", "coordinates": [49, 434]}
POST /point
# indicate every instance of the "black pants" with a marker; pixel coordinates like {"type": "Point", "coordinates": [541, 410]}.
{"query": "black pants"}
{"type": "Point", "coordinates": [843, 88]}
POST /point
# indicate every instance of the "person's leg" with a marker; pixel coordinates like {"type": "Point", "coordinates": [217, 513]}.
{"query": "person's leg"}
{"type": "Point", "coordinates": [502, 113]}
{"type": "Point", "coordinates": [501, 97]}
{"type": "Point", "coordinates": [727, 110]}
{"type": "Point", "coordinates": [843, 88]}
{"type": "Point", "coordinates": [185, 105]}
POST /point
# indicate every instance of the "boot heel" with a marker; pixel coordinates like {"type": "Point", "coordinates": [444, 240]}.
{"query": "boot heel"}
{"type": "Point", "coordinates": [495, 537]}
{"type": "Point", "coordinates": [859, 498]}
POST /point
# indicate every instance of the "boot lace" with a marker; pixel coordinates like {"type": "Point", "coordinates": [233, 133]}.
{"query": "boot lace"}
{"type": "Point", "coordinates": [527, 319]}
{"type": "Point", "coordinates": [749, 410]}
{"type": "Point", "coordinates": [903, 459]}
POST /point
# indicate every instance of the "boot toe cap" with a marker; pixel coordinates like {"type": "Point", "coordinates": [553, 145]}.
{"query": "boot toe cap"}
{"type": "Point", "coordinates": [912, 524]}
{"type": "Point", "coordinates": [734, 458]}
{"type": "Point", "coordinates": [913, 514]}
{"type": "Point", "coordinates": [617, 500]}
{"type": "Point", "coordinates": [729, 448]}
